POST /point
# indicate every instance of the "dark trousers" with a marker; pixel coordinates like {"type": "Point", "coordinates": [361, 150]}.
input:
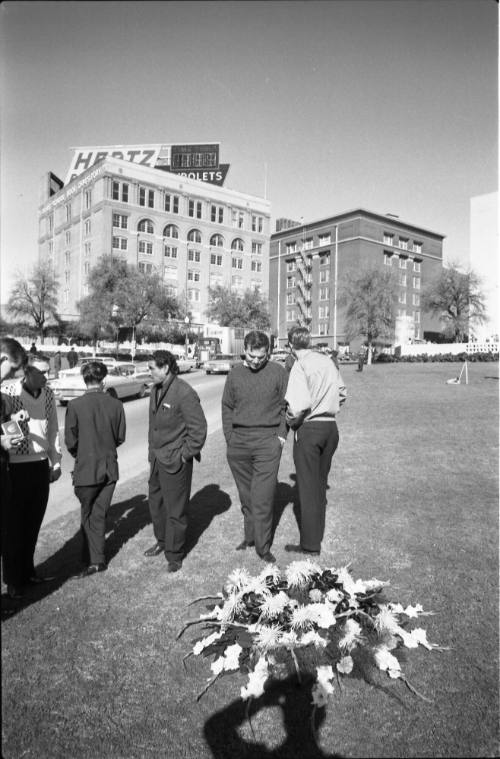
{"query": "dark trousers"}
{"type": "Point", "coordinates": [254, 458]}
{"type": "Point", "coordinates": [23, 519]}
{"type": "Point", "coordinates": [313, 449]}
{"type": "Point", "coordinates": [95, 501]}
{"type": "Point", "coordinates": [168, 502]}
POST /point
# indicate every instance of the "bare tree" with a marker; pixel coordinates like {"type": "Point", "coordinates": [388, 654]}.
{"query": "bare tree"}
{"type": "Point", "coordinates": [369, 298]}
{"type": "Point", "coordinates": [456, 298]}
{"type": "Point", "coordinates": [35, 296]}
{"type": "Point", "coordinates": [230, 309]}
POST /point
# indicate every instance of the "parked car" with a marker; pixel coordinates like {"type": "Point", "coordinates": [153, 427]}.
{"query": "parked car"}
{"type": "Point", "coordinates": [222, 363]}
{"type": "Point", "coordinates": [186, 364]}
{"type": "Point", "coordinates": [123, 380]}
{"type": "Point", "coordinates": [280, 355]}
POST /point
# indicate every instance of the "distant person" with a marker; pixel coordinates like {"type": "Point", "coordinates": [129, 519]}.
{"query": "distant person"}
{"type": "Point", "coordinates": [334, 356]}
{"type": "Point", "coordinates": [253, 421]}
{"type": "Point", "coordinates": [72, 357]}
{"type": "Point", "coordinates": [314, 395]}
{"type": "Point", "coordinates": [93, 429]}
{"type": "Point", "coordinates": [35, 463]}
{"type": "Point", "coordinates": [361, 357]}
{"type": "Point", "coordinates": [177, 433]}
{"type": "Point", "coordinates": [33, 348]}
{"type": "Point", "coordinates": [57, 363]}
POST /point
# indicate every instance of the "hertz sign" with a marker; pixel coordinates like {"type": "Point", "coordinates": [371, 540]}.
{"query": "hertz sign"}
{"type": "Point", "coordinates": [194, 161]}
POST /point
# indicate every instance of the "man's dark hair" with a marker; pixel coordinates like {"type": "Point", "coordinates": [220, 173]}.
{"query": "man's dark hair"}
{"type": "Point", "coordinates": [256, 339]}
{"type": "Point", "coordinates": [165, 358]}
{"type": "Point", "coordinates": [13, 350]}
{"type": "Point", "coordinates": [38, 358]}
{"type": "Point", "coordinates": [93, 372]}
{"type": "Point", "coordinates": [299, 338]}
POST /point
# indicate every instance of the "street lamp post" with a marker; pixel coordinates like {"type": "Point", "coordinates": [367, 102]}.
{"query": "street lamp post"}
{"type": "Point", "coordinates": [186, 322]}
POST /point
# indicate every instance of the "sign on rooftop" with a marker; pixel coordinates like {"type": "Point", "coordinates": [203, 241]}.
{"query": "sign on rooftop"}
{"type": "Point", "coordinates": [193, 160]}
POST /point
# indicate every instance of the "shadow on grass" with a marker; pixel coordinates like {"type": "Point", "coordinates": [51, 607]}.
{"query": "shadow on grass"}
{"type": "Point", "coordinates": [206, 504]}
{"type": "Point", "coordinates": [294, 699]}
{"type": "Point", "coordinates": [123, 521]}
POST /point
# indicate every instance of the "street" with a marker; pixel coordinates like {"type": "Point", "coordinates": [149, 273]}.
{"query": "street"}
{"type": "Point", "coordinates": [133, 454]}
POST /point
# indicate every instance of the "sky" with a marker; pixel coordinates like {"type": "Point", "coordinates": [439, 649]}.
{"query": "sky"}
{"type": "Point", "coordinates": [325, 106]}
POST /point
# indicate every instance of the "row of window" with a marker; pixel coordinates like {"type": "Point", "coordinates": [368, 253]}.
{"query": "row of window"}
{"type": "Point", "coordinates": [326, 239]}
{"type": "Point", "coordinates": [172, 204]}
{"type": "Point", "coordinates": [324, 313]}
{"type": "Point", "coordinates": [403, 262]}
{"type": "Point", "coordinates": [403, 243]}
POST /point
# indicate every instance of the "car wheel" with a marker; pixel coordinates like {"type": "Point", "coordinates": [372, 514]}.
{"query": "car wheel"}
{"type": "Point", "coordinates": [142, 392]}
{"type": "Point", "coordinates": [112, 392]}
{"type": "Point", "coordinates": [207, 371]}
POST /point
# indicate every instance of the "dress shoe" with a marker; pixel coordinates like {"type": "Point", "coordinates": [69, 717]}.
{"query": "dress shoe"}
{"type": "Point", "coordinates": [245, 544]}
{"type": "Point", "coordinates": [14, 592]}
{"type": "Point", "coordinates": [292, 548]}
{"type": "Point", "coordinates": [268, 557]}
{"type": "Point", "coordinates": [155, 550]}
{"type": "Point", "coordinates": [174, 566]}
{"type": "Point", "coordinates": [92, 569]}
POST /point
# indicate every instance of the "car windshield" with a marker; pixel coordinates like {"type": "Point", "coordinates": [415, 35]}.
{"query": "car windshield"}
{"type": "Point", "coordinates": [224, 357]}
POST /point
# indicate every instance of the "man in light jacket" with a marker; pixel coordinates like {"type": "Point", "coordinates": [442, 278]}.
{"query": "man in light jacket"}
{"type": "Point", "coordinates": [314, 395]}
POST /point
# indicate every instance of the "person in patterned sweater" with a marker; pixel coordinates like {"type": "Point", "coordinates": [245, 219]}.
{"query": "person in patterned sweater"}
{"type": "Point", "coordinates": [34, 463]}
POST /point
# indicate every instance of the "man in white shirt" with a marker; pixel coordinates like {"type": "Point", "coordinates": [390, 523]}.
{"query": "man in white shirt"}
{"type": "Point", "coordinates": [314, 395]}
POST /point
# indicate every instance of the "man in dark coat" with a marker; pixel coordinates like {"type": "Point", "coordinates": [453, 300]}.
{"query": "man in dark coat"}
{"type": "Point", "coordinates": [94, 428]}
{"type": "Point", "coordinates": [177, 433]}
{"type": "Point", "coordinates": [72, 357]}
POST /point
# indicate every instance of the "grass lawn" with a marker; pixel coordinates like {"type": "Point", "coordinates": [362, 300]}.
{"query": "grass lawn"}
{"type": "Point", "coordinates": [92, 669]}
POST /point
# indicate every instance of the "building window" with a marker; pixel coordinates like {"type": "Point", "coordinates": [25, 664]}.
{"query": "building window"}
{"type": "Point", "coordinates": [194, 235]}
{"type": "Point", "coordinates": [290, 281]}
{"type": "Point", "coordinates": [291, 265]}
{"type": "Point", "coordinates": [290, 298]}
{"type": "Point", "coordinates": [416, 299]}
{"type": "Point", "coordinates": [257, 248]}
{"type": "Point", "coordinates": [171, 203]}
{"type": "Point", "coordinates": [67, 277]}
{"type": "Point", "coordinates": [417, 247]}
{"type": "Point", "coordinates": [146, 197]}
{"type": "Point", "coordinates": [324, 293]}
{"type": "Point", "coordinates": [120, 221]}
{"type": "Point", "coordinates": [237, 281]}
{"type": "Point", "coordinates": [237, 263]}
{"type": "Point", "coordinates": [88, 227]}
{"type": "Point", "coordinates": [416, 316]}
{"type": "Point", "coordinates": [402, 262]}
{"type": "Point", "coordinates": [256, 266]}
{"type": "Point", "coordinates": [146, 225]}
{"type": "Point", "coordinates": [87, 199]}
{"type": "Point", "coordinates": [215, 260]}
{"type": "Point", "coordinates": [325, 239]}
{"type": "Point", "coordinates": [169, 251]}
{"type": "Point", "coordinates": [145, 268]}
{"type": "Point", "coordinates": [237, 218]}
{"type": "Point", "coordinates": [194, 255]}
{"type": "Point", "coordinates": [324, 275]}
{"type": "Point", "coordinates": [51, 222]}
{"type": "Point", "coordinates": [51, 249]}
{"type": "Point", "coordinates": [67, 258]}
{"type": "Point", "coordinates": [324, 312]}
{"type": "Point", "coordinates": [257, 223]}
{"type": "Point", "coordinates": [171, 290]}
{"type": "Point", "coordinates": [217, 241]}
{"type": "Point", "coordinates": [86, 250]}
{"type": "Point", "coordinates": [324, 259]}
{"type": "Point", "coordinates": [416, 283]}
{"type": "Point", "coordinates": [171, 231]}
{"type": "Point", "coordinates": [193, 275]}
{"type": "Point", "coordinates": [120, 243]}
{"type": "Point", "coordinates": [68, 212]}
{"type": "Point", "coordinates": [238, 245]}
{"type": "Point", "coordinates": [216, 279]}
{"type": "Point", "coordinates": [217, 214]}
{"type": "Point", "coordinates": [402, 280]}
{"type": "Point", "coordinates": [417, 333]}
{"type": "Point", "coordinates": [194, 209]}
{"type": "Point", "coordinates": [146, 247]}
{"type": "Point", "coordinates": [290, 315]}
{"type": "Point", "coordinates": [387, 259]}
{"type": "Point", "coordinates": [119, 191]}
{"type": "Point", "coordinates": [323, 328]}
{"type": "Point", "coordinates": [402, 312]}
{"type": "Point", "coordinates": [309, 243]}
{"type": "Point", "coordinates": [194, 295]}
{"type": "Point", "coordinates": [416, 266]}
{"type": "Point", "coordinates": [86, 268]}
{"type": "Point", "coordinates": [402, 298]}
{"type": "Point", "coordinates": [256, 284]}
{"type": "Point", "coordinates": [388, 239]}
{"type": "Point", "coordinates": [67, 238]}
{"type": "Point", "coordinates": [170, 272]}
{"type": "Point", "coordinates": [291, 247]}
{"type": "Point", "coordinates": [66, 297]}
{"type": "Point", "coordinates": [403, 243]}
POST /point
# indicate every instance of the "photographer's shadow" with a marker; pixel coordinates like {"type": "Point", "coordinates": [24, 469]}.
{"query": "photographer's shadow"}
{"type": "Point", "coordinates": [294, 699]}
{"type": "Point", "coordinates": [286, 494]}
{"type": "Point", "coordinates": [203, 507]}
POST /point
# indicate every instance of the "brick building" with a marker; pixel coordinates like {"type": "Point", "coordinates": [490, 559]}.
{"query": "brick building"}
{"type": "Point", "coordinates": [309, 263]}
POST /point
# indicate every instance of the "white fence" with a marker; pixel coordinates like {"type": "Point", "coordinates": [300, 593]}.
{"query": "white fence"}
{"type": "Point", "coordinates": [433, 349]}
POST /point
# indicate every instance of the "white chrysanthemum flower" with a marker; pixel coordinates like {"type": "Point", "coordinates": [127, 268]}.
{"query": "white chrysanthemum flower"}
{"type": "Point", "coordinates": [300, 618]}
{"type": "Point", "coordinates": [200, 645]}
{"type": "Point", "coordinates": [396, 608]}
{"type": "Point", "coordinates": [387, 662]}
{"type": "Point", "coordinates": [386, 620]}
{"type": "Point", "coordinates": [237, 580]}
{"type": "Point", "coordinates": [345, 665]}
{"type": "Point", "coordinates": [323, 686]}
{"type": "Point", "coordinates": [272, 571]}
{"type": "Point", "coordinates": [268, 636]}
{"type": "Point", "coordinates": [256, 680]}
{"type": "Point", "coordinates": [372, 584]}
{"type": "Point", "coordinates": [334, 596]}
{"type": "Point", "coordinates": [273, 606]}
{"type": "Point", "coordinates": [316, 595]}
{"type": "Point", "coordinates": [298, 573]}
{"type": "Point", "coordinates": [413, 611]}
{"type": "Point", "coordinates": [289, 639]}
{"type": "Point", "coordinates": [312, 637]}
{"type": "Point", "coordinates": [232, 656]}
{"type": "Point", "coordinates": [227, 612]}
{"type": "Point", "coordinates": [408, 638]}
{"type": "Point", "coordinates": [322, 615]}
{"type": "Point", "coordinates": [344, 577]}
{"type": "Point", "coordinates": [352, 635]}
{"type": "Point", "coordinates": [420, 635]}
{"type": "Point", "coordinates": [217, 666]}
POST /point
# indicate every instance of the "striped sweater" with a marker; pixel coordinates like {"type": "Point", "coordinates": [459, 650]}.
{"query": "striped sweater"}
{"type": "Point", "coordinates": [40, 429]}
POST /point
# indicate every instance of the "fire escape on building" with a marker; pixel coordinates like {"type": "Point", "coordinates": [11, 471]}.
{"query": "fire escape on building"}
{"type": "Point", "coordinates": [304, 283]}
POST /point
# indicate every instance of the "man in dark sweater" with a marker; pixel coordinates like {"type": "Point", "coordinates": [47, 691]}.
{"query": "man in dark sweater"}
{"type": "Point", "coordinates": [253, 422]}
